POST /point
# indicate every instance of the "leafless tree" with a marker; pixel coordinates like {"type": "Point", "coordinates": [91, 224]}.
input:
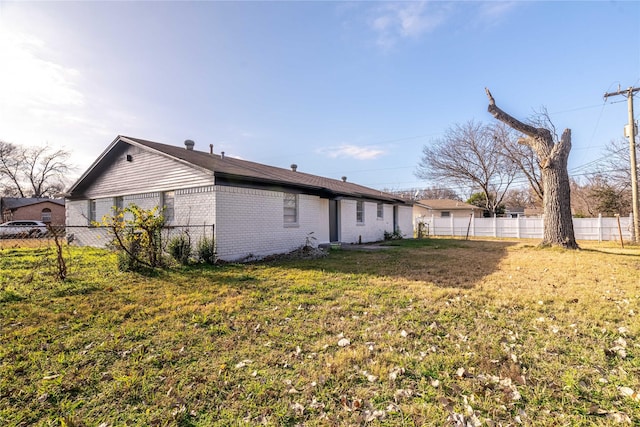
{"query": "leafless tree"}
{"type": "Point", "coordinates": [552, 155]}
{"type": "Point", "coordinates": [428, 193]}
{"type": "Point", "coordinates": [522, 156]}
{"type": "Point", "coordinates": [32, 172]}
{"type": "Point", "coordinates": [598, 194]}
{"type": "Point", "coordinates": [521, 198]}
{"type": "Point", "coordinates": [616, 165]}
{"type": "Point", "coordinates": [470, 155]}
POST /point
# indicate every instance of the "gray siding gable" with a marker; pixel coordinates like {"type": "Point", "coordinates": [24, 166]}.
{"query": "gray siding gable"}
{"type": "Point", "coordinates": [130, 169]}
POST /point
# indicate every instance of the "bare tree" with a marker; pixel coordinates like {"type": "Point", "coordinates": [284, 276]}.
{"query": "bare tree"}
{"type": "Point", "coordinates": [521, 198]}
{"type": "Point", "coordinates": [616, 165]}
{"type": "Point", "coordinates": [32, 172]}
{"type": "Point", "coordinates": [522, 156]}
{"type": "Point", "coordinates": [428, 193]}
{"type": "Point", "coordinates": [468, 156]}
{"type": "Point", "coordinates": [598, 194]}
{"type": "Point", "coordinates": [553, 155]}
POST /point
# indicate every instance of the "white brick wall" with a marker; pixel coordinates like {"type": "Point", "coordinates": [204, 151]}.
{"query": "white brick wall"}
{"type": "Point", "coordinates": [372, 230]}
{"type": "Point", "coordinates": [77, 212]}
{"type": "Point", "coordinates": [195, 206]}
{"type": "Point", "coordinates": [145, 201]}
{"type": "Point", "coordinates": [250, 222]}
{"type": "Point", "coordinates": [405, 221]}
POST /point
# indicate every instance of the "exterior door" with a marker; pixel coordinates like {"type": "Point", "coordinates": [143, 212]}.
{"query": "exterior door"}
{"type": "Point", "coordinates": [395, 219]}
{"type": "Point", "coordinates": [334, 236]}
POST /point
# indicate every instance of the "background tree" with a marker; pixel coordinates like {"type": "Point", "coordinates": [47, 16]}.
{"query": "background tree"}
{"type": "Point", "coordinates": [615, 165]}
{"type": "Point", "coordinates": [468, 156]}
{"type": "Point", "coordinates": [32, 172]}
{"type": "Point", "coordinates": [522, 198]}
{"type": "Point", "coordinates": [598, 194]}
{"type": "Point", "coordinates": [480, 200]}
{"type": "Point", "coordinates": [429, 193]}
{"type": "Point", "coordinates": [522, 156]}
{"type": "Point", "coordinates": [553, 155]}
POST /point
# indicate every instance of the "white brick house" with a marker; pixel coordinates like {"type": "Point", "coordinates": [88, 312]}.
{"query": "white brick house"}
{"type": "Point", "coordinates": [253, 210]}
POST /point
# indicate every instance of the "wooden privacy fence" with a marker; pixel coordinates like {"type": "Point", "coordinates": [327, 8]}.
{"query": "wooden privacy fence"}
{"type": "Point", "coordinates": [600, 228]}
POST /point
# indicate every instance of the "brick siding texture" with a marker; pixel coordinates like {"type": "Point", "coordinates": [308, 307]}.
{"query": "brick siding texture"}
{"type": "Point", "coordinates": [34, 212]}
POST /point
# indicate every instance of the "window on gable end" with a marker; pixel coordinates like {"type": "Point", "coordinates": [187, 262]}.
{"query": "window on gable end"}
{"type": "Point", "coordinates": [290, 208]}
{"type": "Point", "coordinates": [46, 215]}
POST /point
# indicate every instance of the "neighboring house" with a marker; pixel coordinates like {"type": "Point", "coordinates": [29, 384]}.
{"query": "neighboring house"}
{"type": "Point", "coordinates": [533, 212]}
{"type": "Point", "coordinates": [50, 211]}
{"type": "Point", "coordinates": [254, 210]}
{"type": "Point", "coordinates": [443, 208]}
{"type": "Point", "coordinates": [514, 212]}
{"type": "Point", "coordinates": [523, 212]}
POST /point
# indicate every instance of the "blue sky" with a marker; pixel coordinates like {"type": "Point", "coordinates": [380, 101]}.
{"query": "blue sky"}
{"type": "Point", "coordinates": [339, 88]}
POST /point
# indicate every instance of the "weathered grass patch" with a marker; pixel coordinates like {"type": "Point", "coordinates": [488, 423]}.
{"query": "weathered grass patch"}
{"type": "Point", "coordinates": [424, 333]}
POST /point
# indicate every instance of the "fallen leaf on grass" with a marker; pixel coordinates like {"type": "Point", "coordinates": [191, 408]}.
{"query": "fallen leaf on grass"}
{"type": "Point", "coordinates": [244, 363]}
{"type": "Point", "coordinates": [619, 417]}
{"type": "Point", "coordinates": [297, 408]}
{"type": "Point", "coordinates": [629, 392]}
{"type": "Point", "coordinates": [344, 342]}
{"type": "Point", "coordinates": [51, 377]}
{"type": "Point", "coordinates": [395, 372]}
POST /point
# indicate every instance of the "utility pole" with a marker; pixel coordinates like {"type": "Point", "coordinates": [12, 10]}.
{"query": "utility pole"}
{"type": "Point", "coordinates": [630, 131]}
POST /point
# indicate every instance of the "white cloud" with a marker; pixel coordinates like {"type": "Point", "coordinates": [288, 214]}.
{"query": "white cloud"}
{"type": "Point", "coordinates": [493, 12]}
{"type": "Point", "coordinates": [42, 101]}
{"type": "Point", "coordinates": [28, 80]}
{"type": "Point", "coordinates": [351, 151]}
{"type": "Point", "coordinates": [395, 21]}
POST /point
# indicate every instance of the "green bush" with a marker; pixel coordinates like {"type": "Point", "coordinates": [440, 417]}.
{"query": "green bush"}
{"type": "Point", "coordinates": [396, 235]}
{"type": "Point", "coordinates": [180, 248]}
{"type": "Point", "coordinates": [207, 250]}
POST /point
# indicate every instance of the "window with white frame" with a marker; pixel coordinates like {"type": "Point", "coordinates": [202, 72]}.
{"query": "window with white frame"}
{"type": "Point", "coordinates": [360, 212]}
{"type": "Point", "coordinates": [380, 210]}
{"type": "Point", "coordinates": [290, 208]}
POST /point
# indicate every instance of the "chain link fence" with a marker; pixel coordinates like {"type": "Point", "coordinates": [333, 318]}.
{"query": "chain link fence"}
{"type": "Point", "coordinates": [99, 237]}
{"type": "Point", "coordinates": [55, 249]}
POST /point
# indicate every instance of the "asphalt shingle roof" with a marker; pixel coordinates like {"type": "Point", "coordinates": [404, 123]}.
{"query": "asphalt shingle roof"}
{"type": "Point", "coordinates": [247, 171]}
{"type": "Point", "coordinates": [447, 204]}
{"type": "Point", "coordinates": [229, 166]}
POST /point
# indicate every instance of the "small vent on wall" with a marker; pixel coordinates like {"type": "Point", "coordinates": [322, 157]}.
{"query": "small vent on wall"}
{"type": "Point", "coordinates": [129, 158]}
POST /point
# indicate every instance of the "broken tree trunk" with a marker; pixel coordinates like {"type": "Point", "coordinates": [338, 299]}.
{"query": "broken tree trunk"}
{"type": "Point", "coordinates": [558, 222]}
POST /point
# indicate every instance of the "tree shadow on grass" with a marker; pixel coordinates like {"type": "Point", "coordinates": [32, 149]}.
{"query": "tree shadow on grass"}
{"type": "Point", "coordinates": [445, 263]}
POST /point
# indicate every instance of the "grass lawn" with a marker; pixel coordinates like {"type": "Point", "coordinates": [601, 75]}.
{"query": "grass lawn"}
{"type": "Point", "coordinates": [430, 332]}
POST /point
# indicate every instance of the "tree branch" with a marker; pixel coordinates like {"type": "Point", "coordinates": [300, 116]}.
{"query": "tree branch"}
{"type": "Point", "coordinates": [514, 123]}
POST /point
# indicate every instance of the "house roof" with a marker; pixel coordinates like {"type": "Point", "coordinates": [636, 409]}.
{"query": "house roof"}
{"type": "Point", "coordinates": [229, 169]}
{"type": "Point", "coordinates": [20, 202]}
{"type": "Point", "coordinates": [446, 204]}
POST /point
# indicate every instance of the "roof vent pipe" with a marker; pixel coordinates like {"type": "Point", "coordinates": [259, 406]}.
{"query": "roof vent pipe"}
{"type": "Point", "coordinates": [344, 179]}
{"type": "Point", "coordinates": [294, 167]}
{"type": "Point", "coordinates": [210, 148]}
{"type": "Point", "coordinates": [222, 155]}
{"type": "Point", "coordinates": [189, 144]}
